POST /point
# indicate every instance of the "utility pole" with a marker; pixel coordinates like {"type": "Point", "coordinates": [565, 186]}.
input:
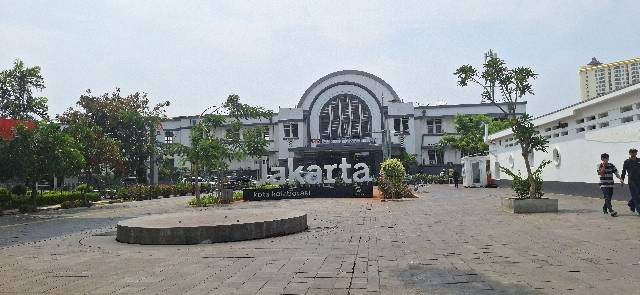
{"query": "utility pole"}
{"type": "Point", "coordinates": [386, 138]}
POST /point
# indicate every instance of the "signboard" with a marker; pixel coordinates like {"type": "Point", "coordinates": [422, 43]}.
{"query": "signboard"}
{"type": "Point", "coordinates": [364, 190]}
{"type": "Point", "coordinates": [314, 173]}
{"type": "Point", "coordinates": [315, 142]}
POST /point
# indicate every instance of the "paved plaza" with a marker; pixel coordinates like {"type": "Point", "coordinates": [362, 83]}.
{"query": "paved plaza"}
{"type": "Point", "coordinates": [447, 241]}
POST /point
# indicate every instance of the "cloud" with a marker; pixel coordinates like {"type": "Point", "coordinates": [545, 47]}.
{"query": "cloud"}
{"type": "Point", "coordinates": [269, 52]}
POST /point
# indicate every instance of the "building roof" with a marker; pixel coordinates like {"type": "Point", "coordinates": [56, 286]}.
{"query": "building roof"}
{"type": "Point", "coordinates": [349, 72]}
{"type": "Point", "coordinates": [569, 110]}
{"type": "Point", "coordinates": [599, 65]}
{"type": "Point", "coordinates": [466, 105]}
{"type": "Point", "coordinates": [594, 62]}
{"type": "Point", "coordinates": [8, 126]}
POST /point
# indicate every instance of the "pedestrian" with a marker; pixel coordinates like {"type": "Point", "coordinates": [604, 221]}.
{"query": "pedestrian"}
{"type": "Point", "coordinates": [632, 165]}
{"type": "Point", "coordinates": [606, 171]}
{"type": "Point", "coordinates": [455, 175]}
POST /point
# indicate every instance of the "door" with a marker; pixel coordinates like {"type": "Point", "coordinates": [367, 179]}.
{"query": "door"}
{"type": "Point", "coordinates": [475, 170]}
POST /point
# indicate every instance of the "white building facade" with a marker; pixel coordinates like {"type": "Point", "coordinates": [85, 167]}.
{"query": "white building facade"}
{"type": "Point", "coordinates": [348, 114]}
{"type": "Point", "coordinates": [577, 135]}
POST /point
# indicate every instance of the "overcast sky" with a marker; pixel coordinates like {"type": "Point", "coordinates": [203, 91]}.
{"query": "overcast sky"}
{"type": "Point", "coordinates": [268, 52]}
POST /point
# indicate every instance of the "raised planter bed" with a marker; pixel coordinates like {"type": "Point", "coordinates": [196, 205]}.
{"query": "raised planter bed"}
{"type": "Point", "coordinates": [542, 205]}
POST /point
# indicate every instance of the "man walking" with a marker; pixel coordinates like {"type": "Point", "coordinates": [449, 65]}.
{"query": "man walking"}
{"type": "Point", "coordinates": [606, 171]}
{"type": "Point", "coordinates": [456, 176]}
{"type": "Point", "coordinates": [632, 165]}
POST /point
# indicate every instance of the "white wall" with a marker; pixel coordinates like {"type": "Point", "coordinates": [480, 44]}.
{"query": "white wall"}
{"type": "Point", "coordinates": [579, 151]}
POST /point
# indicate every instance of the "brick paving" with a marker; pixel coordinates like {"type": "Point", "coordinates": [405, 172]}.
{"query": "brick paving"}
{"type": "Point", "coordinates": [447, 241]}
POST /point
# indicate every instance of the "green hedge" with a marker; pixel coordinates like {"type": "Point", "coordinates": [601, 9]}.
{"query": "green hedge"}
{"type": "Point", "coordinates": [425, 178]}
{"type": "Point", "coordinates": [12, 201]}
{"type": "Point", "coordinates": [5, 198]}
{"type": "Point", "coordinates": [69, 198]}
{"type": "Point", "coordinates": [140, 192]}
{"type": "Point", "coordinates": [55, 197]}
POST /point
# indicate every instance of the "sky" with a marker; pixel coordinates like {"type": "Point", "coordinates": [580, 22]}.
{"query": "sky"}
{"type": "Point", "coordinates": [196, 53]}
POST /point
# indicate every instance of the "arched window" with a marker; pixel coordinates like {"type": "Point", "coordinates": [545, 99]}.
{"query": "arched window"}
{"type": "Point", "coordinates": [345, 116]}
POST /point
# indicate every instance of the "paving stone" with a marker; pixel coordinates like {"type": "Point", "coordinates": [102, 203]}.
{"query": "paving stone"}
{"type": "Point", "coordinates": [445, 242]}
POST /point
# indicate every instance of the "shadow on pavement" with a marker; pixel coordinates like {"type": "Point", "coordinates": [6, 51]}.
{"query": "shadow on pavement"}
{"type": "Point", "coordinates": [583, 210]}
{"type": "Point", "coordinates": [51, 228]}
{"type": "Point", "coordinates": [434, 279]}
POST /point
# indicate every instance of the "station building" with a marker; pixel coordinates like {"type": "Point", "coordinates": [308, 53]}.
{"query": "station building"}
{"type": "Point", "coordinates": [349, 114]}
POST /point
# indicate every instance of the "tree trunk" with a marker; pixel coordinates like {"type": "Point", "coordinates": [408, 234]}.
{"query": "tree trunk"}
{"type": "Point", "coordinates": [532, 181]}
{"type": "Point", "coordinates": [220, 184]}
{"type": "Point", "coordinates": [34, 195]}
{"type": "Point", "coordinates": [196, 183]}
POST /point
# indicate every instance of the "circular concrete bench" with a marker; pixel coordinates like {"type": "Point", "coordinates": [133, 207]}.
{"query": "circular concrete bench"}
{"type": "Point", "coordinates": [210, 226]}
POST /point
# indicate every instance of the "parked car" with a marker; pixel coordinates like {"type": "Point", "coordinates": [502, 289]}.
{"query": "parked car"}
{"type": "Point", "coordinates": [129, 180]}
{"type": "Point", "coordinates": [193, 179]}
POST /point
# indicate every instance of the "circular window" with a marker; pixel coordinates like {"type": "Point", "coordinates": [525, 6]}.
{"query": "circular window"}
{"type": "Point", "coordinates": [511, 161]}
{"type": "Point", "coordinates": [556, 156]}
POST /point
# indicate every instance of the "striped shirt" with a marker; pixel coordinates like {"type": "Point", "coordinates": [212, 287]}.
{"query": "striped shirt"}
{"type": "Point", "coordinates": [606, 180]}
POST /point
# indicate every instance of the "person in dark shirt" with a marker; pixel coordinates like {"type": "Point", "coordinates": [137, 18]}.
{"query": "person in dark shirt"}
{"type": "Point", "coordinates": [606, 171]}
{"type": "Point", "coordinates": [632, 166]}
{"type": "Point", "coordinates": [456, 176]}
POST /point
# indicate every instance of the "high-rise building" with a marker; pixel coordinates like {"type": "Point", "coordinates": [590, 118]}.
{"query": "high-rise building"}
{"type": "Point", "coordinates": [597, 79]}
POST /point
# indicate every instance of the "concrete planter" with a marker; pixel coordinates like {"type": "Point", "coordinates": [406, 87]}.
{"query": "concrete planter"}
{"type": "Point", "coordinates": [542, 205]}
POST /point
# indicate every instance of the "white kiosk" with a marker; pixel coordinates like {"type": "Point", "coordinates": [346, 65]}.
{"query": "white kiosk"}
{"type": "Point", "coordinates": [476, 171]}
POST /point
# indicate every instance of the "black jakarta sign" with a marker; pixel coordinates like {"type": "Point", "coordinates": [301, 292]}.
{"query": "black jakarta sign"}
{"type": "Point", "coordinates": [361, 190]}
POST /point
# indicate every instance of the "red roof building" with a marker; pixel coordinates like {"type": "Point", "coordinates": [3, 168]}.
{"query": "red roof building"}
{"type": "Point", "coordinates": [8, 127]}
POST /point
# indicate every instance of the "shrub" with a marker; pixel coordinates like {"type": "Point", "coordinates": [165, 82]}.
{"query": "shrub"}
{"type": "Point", "coordinates": [59, 197]}
{"type": "Point", "coordinates": [84, 188]}
{"type": "Point", "coordinates": [165, 190]}
{"type": "Point", "coordinates": [391, 183]}
{"type": "Point", "coordinates": [393, 170]}
{"type": "Point", "coordinates": [153, 192]}
{"type": "Point", "coordinates": [122, 193]}
{"type": "Point", "coordinates": [237, 195]}
{"type": "Point", "coordinates": [19, 190]}
{"type": "Point", "coordinates": [182, 189]}
{"type": "Point", "coordinates": [204, 201]}
{"type": "Point", "coordinates": [392, 190]}
{"type": "Point", "coordinates": [5, 198]}
{"type": "Point", "coordinates": [421, 178]}
{"type": "Point", "coordinates": [21, 202]}
{"type": "Point", "coordinates": [138, 192]}
{"type": "Point", "coordinates": [267, 186]}
{"type": "Point", "coordinates": [71, 204]}
{"type": "Point", "coordinates": [520, 184]}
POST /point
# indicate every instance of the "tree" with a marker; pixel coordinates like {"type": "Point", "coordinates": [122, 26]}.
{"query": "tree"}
{"type": "Point", "coordinates": [16, 93]}
{"type": "Point", "coordinates": [130, 120]}
{"type": "Point", "coordinates": [513, 85]}
{"type": "Point", "coordinates": [239, 142]}
{"type": "Point", "coordinates": [470, 137]}
{"type": "Point", "coordinates": [408, 160]}
{"type": "Point", "coordinates": [45, 151]}
{"type": "Point", "coordinates": [101, 153]}
{"type": "Point", "coordinates": [167, 170]}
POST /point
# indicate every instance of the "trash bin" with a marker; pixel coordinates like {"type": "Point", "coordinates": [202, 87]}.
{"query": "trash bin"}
{"type": "Point", "coordinates": [227, 196]}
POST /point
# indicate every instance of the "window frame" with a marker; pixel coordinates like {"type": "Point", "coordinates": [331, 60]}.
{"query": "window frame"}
{"type": "Point", "coordinates": [292, 129]}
